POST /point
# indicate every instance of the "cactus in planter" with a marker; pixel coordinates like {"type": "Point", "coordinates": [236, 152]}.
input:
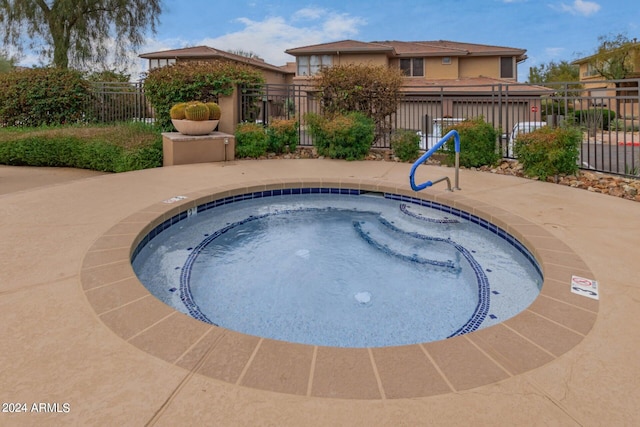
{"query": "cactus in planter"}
{"type": "Point", "coordinates": [195, 117]}
{"type": "Point", "coordinates": [177, 111]}
{"type": "Point", "coordinates": [214, 111]}
{"type": "Point", "coordinates": [196, 111]}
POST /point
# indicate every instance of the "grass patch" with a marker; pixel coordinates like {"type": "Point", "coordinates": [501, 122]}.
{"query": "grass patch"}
{"type": "Point", "coordinates": [108, 148]}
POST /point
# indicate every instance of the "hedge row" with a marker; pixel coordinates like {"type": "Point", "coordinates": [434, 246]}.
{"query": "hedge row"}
{"type": "Point", "coordinates": [43, 96]}
{"type": "Point", "coordinates": [64, 149]}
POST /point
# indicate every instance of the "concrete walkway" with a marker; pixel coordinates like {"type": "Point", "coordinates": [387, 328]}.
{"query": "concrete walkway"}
{"type": "Point", "coordinates": [56, 350]}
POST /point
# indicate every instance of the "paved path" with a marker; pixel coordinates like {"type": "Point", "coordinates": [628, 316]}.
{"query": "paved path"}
{"type": "Point", "coordinates": [18, 178]}
{"type": "Point", "coordinates": [56, 349]}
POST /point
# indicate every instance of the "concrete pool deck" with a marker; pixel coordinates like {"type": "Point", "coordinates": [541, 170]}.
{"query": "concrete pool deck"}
{"type": "Point", "coordinates": [62, 342]}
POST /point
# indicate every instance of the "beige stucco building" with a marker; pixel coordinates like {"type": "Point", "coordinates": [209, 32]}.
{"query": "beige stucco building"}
{"type": "Point", "coordinates": [420, 61]}
{"type": "Point", "coordinates": [272, 74]}
{"type": "Point", "coordinates": [461, 80]}
{"type": "Point", "coordinates": [621, 96]}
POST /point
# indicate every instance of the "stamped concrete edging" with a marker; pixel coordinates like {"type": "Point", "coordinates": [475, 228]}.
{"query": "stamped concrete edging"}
{"type": "Point", "coordinates": [555, 322]}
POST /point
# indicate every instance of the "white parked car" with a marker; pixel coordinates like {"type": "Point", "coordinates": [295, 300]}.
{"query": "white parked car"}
{"type": "Point", "coordinates": [518, 129]}
{"type": "Point", "coordinates": [428, 141]}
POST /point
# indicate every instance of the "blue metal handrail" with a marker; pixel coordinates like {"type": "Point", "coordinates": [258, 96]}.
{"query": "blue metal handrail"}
{"type": "Point", "coordinates": [425, 156]}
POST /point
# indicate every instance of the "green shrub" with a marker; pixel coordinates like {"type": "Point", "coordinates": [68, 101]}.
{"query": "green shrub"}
{"type": "Point", "coordinates": [43, 96]}
{"type": "Point", "coordinates": [141, 158]}
{"type": "Point", "coordinates": [549, 151]}
{"type": "Point", "coordinates": [405, 145]}
{"type": "Point", "coordinates": [595, 118]}
{"type": "Point", "coordinates": [551, 106]}
{"type": "Point", "coordinates": [251, 140]}
{"type": "Point", "coordinates": [282, 135]}
{"type": "Point", "coordinates": [617, 124]}
{"type": "Point", "coordinates": [347, 136]}
{"type": "Point", "coordinates": [373, 90]}
{"type": "Point", "coordinates": [118, 148]}
{"type": "Point", "coordinates": [477, 143]}
{"type": "Point", "coordinates": [200, 81]}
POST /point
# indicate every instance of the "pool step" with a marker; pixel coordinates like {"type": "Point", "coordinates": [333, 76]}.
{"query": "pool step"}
{"type": "Point", "coordinates": [431, 253]}
{"type": "Point", "coordinates": [414, 212]}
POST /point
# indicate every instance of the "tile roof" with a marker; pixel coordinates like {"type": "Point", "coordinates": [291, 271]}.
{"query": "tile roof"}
{"type": "Point", "coordinates": [206, 52]}
{"type": "Point", "coordinates": [471, 85]}
{"type": "Point", "coordinates": [341, 46]}
{"type": "Point", "coordinates": [402, 48]}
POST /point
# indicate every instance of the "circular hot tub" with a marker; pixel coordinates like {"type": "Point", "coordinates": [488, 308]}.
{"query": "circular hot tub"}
{"type": "Point", "coordinates": [338, 267]}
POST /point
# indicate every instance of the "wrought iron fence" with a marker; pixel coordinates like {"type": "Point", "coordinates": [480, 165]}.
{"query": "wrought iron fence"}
{"type": "Point", "coordinates": [116, 102]}
{"type": "Point", "coordinates": [606, 111]}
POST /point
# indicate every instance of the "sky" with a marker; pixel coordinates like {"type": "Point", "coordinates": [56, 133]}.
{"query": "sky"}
{"type": "Point", "coordinates": [549, 30]}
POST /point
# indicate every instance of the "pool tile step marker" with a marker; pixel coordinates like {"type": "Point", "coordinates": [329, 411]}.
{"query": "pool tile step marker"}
{"type": "Point", "coordinates": [515, 353]}
{"type": "Point", "coordinates": [463, 364]}
{"type": "Point", "coordinates": [228, 359]}
{"type": "Point", "coordinates": [407, 372]}
{"type": "Point", "coordinates": [280, 366]}
{"type": "Point", "coordinates": [344, 373]}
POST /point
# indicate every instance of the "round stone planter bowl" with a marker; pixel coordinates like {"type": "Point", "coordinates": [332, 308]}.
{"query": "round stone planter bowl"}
{"type": "Point", "coordinates": [195, 127]}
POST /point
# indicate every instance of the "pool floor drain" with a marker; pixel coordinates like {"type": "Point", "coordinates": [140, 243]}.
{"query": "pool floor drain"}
{"type": "Point", "coordinates": [363, 297]}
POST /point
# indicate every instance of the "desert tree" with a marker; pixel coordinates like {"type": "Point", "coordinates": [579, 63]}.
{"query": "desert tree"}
{"type": "Point", "coordinates": [564, 78]}
{"type": "Point", "coordinates": [368, 89]}
{"type": "Point", "coordinates": [615, 56]}
{"type": "Point", "coordinates": [6, 63]}
{"type": "Point", "coordinates": [554, 72]}
{"type": "Point", "coordinates": [78, 31]}
{"type": "Point", "coordinates": [245, 53]}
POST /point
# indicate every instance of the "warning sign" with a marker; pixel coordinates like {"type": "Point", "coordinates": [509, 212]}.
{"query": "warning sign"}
{"type": "Point", "coordinates": [584, 287]}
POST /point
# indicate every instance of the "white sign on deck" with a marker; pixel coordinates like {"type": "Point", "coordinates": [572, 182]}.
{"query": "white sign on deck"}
{"type": "Point", "coordinates": [174, 199]}
{"type": "Point", "coordinates": [584, 287]}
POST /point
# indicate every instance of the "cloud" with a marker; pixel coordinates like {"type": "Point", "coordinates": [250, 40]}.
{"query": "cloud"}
{"type": "Point", "coordinates": [309, 13]}
{"type": "Point", "coordinates": [270, 37]}
{"type": "Point", "coordinates": [554, 52]}
{"type": "Point", "coordinates": [580, 7]}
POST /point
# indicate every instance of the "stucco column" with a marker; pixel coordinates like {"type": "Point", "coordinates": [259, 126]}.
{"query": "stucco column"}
{"type": "Point", "coordinates": [230, 115]}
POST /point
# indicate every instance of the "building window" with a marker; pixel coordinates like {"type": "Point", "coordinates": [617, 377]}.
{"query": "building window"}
{"type": "Point", "coordinates": [446, 60]}
{"type": "Point", "coordinates": [629, 92]}
{"type": "Point", "coordinates": [506, 67]}
{"type": "Point", "coordinates": [156, 63]}
{"type": "Point", "coordinates": [591, 71]}
{"type": "Point", "coordinates": [311, 65]}
{"type": "Point", "coordinates": [412, 67]}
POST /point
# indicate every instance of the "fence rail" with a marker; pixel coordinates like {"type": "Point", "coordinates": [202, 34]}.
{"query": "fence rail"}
{"type": "Point", "coordinates": [116, 102]}
{"type": "Point", "coordinates": [607, 111]}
